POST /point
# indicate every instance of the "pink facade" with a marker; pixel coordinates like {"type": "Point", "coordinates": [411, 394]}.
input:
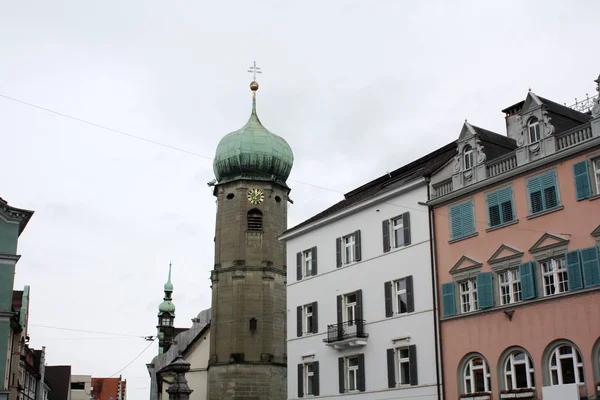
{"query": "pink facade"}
{"type": "Point", "coordinates": [536, 325]}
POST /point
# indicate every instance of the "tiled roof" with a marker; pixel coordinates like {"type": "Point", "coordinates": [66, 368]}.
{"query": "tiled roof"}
{"type": "Point", "coordinates": [495, 138]}
{"type": "Point", "coordinates": [565, 111]}
{"type": "Point", "coordinates": [422, 167]}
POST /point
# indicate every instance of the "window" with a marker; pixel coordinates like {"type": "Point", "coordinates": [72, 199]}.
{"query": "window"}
{"type": "Point", "coordinates": [255, 220]}
{"type": "Point", "coordinates": [166, 321]}
{"type": "Point", "coordinates": [348, 249]}
{"type": "Point", "coordinates": [518, 371]}
{"type": "Point", "coordinates": [401, 296]}
{"type": "Point", "coordinates": [566, 366]}
{"type": "Point", "coordinates": [306, 262]}
{"type": "Point", "coordinates": [468, 157]}
{"type": "Point", "coordinates": [596, 164]}
{"type": "Point", "coordinates": [307, 319]}
{"type": "Point", "coordinates": [477, 376]}
{"type": "Point", "coordinates": [462, 220]}
{"type": "Point", "coordinates": [500, 207]}
{"type": "Point", "coordinates": [308, 379]}
{"type": "Point", "coordinates": [402, 366]}
{"type": "Point", "coordinates": [468, 295]}
{"type": "Point", "coordinates": [534, 130]}
{"type": "Point", "coordinates": [555, 276]}
{"type": "Point", "coordinates": [543, 192]}
{"type": "Point", "coordinates": [352, 374]}
{"type": "Point", "coordinates": [77, 385]}
{"type": "Point", "coordinates": [396, 232]}
{"type": "Point", "coordinates": [510, 286]}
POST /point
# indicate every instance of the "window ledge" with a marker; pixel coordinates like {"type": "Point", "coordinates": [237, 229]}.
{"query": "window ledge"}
{"type": "Point", "coordinates": [493, 228]}
{"type": "Point", "coordinates": [463, 238]}
{"type": "Point", "coordinates": [595, 197]}
{"type": "Point", "coordinates": [545, 212]}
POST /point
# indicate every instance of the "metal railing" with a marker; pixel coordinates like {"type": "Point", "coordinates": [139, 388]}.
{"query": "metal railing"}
{"type": "Point", "coordinates": [346, 330]}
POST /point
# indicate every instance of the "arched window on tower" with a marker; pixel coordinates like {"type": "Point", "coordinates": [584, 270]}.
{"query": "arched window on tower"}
{"type": "Point", "coordinates": [534, 130]}
{"type": "Point", "coordinates": [468, 157]}
{"type": "Point", "coordinates": [255, 220]}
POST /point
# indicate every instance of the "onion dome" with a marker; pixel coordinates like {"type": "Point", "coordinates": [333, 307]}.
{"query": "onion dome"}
{"type": "Point", "coordinates": [253, 153]}
{"type": "Point", "coordinates": [167, 305]}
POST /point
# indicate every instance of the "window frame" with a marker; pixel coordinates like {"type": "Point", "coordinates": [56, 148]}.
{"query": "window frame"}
{"type": "Point", "coordinates": [471, 292]}
{"type": "Point", "coordinates": [512, 374]}
{"type": "Point", "coordinates": [352, 370]}
{"type": "Point", "coordinates": [555, 274]}
{"type": "Point", "coordinates": [459, 209]}
{"type": "Point", "coordinates": [534, 123]}
{"type": "Point", "coordinates": [542, 192]}
{"type": "Point", "coordinates": [468, 155]}
{"type": "Point", "coordinates": [510, 285]}
{"type": "Point", "coordinates": [254, 220]}
{"type": "Point", "coordinates": [349, 244]}
{"type": "Point", "coordinates": [307, 258]}
{"type": "Point", "coordinates": [501, 211]}
{"type": "Point", "coordinates": [305, 318]}
{"type": "Point", "coordinates": [395, 228]}
{"type": "Point", "coordinates": [578, 366]}
{"type": "Point", "coordinates": [347, 305]}
{"type": "Point", "coordinates": [487, 379]}
{"type": "Point", "coordinates": [400, 363]}
{"type": "Point", "coordinates": [395, 295]}
{"type": "Point", "coordinates": [596, 174]}
{"type": "Point", "coordinates": [308, 376]}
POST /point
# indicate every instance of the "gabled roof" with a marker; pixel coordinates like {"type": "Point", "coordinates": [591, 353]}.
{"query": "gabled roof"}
{"type": "Point", "coordinates": [565, 111]}
{"type": "Point", "coordinates": [495, 138]}
{"type": "Point", "coordinates": [422, 167]}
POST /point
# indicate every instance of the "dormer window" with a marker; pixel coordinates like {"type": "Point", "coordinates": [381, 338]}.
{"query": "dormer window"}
{"type": "Point", "coordinates": [468, 157]}
{"type": "Point", "coordinates": [534, 130]}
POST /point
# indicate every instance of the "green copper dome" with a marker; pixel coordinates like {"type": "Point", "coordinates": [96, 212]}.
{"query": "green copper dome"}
{"type": "Point", "coordinates": [166, 307]}
{"type": "Point", "coordinates": [253, 152]}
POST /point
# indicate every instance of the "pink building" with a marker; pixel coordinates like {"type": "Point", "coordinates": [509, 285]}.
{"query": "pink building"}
{"type": "Point", "coordinates": [516, 220]}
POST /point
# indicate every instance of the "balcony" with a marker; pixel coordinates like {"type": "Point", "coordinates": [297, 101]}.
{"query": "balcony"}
{"type": "Point", "coordinates": [346, 334]}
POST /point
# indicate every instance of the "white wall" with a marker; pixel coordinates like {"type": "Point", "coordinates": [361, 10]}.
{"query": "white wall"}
{"type": "Point", "coordinates": [81, 394]}
{"type": "Point", "coordinates": [375, 268]}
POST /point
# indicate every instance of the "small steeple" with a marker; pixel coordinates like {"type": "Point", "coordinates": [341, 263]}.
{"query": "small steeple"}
{"type": "Point", "coordinates": [169, 285]}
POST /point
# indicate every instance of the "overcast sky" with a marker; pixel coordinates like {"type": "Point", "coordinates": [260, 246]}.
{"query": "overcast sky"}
{"type": "Point", "coordinates": [357, 88]}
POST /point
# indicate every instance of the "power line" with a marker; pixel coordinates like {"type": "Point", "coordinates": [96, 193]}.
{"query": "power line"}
{"type": "Point", "coordinates": [87, 331]}
{"type": "Point", "coordinates": [210, 158]}
{"type": "Point", "coordinates": [132, 361]}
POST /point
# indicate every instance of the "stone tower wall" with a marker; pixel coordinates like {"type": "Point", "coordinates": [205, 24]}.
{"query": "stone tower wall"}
{"type": "Point", "coordinates": [247, 357]}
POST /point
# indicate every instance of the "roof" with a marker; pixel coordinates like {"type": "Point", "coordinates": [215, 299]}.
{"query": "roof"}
{"type": "Point", "coordinates": [422, 167]}
{"type": "Point", "coordinates": [495, 138]}
{"type": "Point", "coordinates": [59, 377]}
{"type": "Point", "coordinates": [565, 111]}
{"type": "Point", "coordinates": [15, 214]}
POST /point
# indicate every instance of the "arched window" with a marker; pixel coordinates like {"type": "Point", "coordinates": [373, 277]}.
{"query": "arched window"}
{"type": "Point", "coordinates": [468, 157]}
{"type": "Point", "coordinates": [518, 371]}
{"type": "Point", "coordinates": [255, 220]}
{"type": "Point", "coordinates": [534, 130]}
{"type": "Point", "coordinates": [477, 376]}
{"type": "Point", "coordinates": [566, 365]}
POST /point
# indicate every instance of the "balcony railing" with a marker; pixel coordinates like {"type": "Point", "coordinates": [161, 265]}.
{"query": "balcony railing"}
{"type": "Point", "coordinates": [346, 330]}
{"type": "Point", "coordinates": [442, 188]}
{"type": "Point", "coordinates": [501, 164]}
{"type": "Point", "coordinates": [573, 136]}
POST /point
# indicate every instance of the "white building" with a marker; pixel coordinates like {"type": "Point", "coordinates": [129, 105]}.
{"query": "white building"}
{"type": "Point", "coordinates": [81, 387]}
{"type": "Point", "coordinates": [362, 319]}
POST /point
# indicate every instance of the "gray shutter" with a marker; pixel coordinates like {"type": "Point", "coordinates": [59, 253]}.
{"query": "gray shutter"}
{"type": "Point", "coordinates": [299, 321]}
{"type": "Point", "coordinates": [391, 367]}
{"type": "Point", "coordinates": [389, 305]}
{"type": "Point", "coordinates": [385, 226]}
{"type": "Point", "coordinates": [406, 225]}
{"type": "Point", "coordinates": [359, 314]}
{"type": "Point", "coordinates": [357, 248]}
{"type": "Point", "coordinates": [300, 380]}
{"type": "Point", "coordinates": [316, 377]}
{"type": "Point", "coordinates": [412, 358]}
{"type": "Point", "coordinates": [338, 251]}
{"type": "Point", "coordinates": [299, 266]}
{"type": "Point", "coordinates": [341, 374]}
{"type": "Point", "coordinates": [340, 318]}
{"type": "Point", "coordinates": [361, 373]}
{"type": "Point", "coordinates": [315, 318]}
{"type": "Point", "coordinates": [410, 295]}
{"type": "Point", "coordinates": [314, 260]}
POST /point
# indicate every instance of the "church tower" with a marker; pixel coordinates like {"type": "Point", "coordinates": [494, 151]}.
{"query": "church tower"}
{"type": "Point", "coordinates": [166, 317]}
{"type": "Point", "coordinates": [248, 324]}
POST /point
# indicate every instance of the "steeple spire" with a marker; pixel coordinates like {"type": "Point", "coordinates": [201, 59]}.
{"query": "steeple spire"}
{"type": "Point", "coordinates": [169, 285]}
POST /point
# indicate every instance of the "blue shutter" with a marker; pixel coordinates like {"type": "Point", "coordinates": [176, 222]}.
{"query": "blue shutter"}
{"type": "Point", "coordinates": [448, 300]}
{"type": "Point", "coordinates": [506, 205]}
{"type": "Point", "coordinates": [550, 190]}
{"type": "Point", "coordinates": [494, 217]}
{"type": "Point", "coordinates": [536, 202]}
{"type": "Point", "coordinates": [527, 274]}
{"type": "Point", "coordinates": [574, 270]}
{"type": "Point", "coordinates": [591, 266]}
{"type": "Point", "coordinates": [455, 222]}
{"type": "Point", "coordinates": [467, 214]}
{"type": "Point", "coordinates": [485, 290]}
{"type": "Point", "coordinates": [583, 188]}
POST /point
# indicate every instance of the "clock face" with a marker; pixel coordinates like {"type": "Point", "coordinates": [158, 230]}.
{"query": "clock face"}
{"type": "Point", "coordinates": [255, 196]}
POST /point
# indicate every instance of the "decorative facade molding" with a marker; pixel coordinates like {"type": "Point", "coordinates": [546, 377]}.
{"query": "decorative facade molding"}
{"type": "Point", "coordinates": [465, 268]}
{"type": "Point", "coordinates": [495, 258]}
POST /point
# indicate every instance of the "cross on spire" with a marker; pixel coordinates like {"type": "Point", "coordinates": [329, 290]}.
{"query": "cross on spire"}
{"type": "Point", "coordinates": [254, 70]}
